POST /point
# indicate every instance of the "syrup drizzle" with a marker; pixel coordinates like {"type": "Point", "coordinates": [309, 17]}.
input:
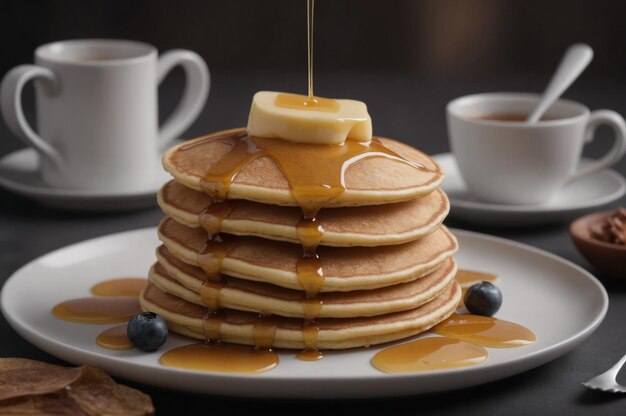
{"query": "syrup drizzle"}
{"type": "Point", "coordinates": [212, 216]}
{"type": "Point", "coordinates": [212, 254]}
{"type": "Point", "coordinates": [310, 331]}
{"type": "Point", "coordinates": [210, 259]}
{"type": "Point", "coordinates": [310, 8]}
{"type": "Point", "coordinates": [264, 331]}
{"type": "Point", "coordinates": [212, 324]}
{"type": "Point", "coordinates": [309, 101]}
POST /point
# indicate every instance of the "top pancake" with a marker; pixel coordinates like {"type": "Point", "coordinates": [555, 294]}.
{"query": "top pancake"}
{"type": "Point", "coordinates": [351, 226]}
{"type": "Point", "coordinates": [369, 181]}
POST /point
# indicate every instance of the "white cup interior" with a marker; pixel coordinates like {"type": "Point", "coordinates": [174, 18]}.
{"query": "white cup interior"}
{"type": "Point", "coordinates": [474, 106]}
{"type": "Point", "coordinates": [94, 51]}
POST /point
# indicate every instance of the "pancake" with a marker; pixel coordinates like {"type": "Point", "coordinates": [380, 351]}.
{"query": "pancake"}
{"type": "Point", "coordinates": [345, 268]}
{"type": "Point", "coordinates": [355, 226]}
{"type": "Point", "coordinates": [334, 333]}
{"type": "Point", "coordinates": [368, 181]}
{"type": "Point", "coordinates": [185, 281]}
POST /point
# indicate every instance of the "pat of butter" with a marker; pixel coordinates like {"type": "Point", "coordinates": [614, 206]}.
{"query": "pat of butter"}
{"type": "Point", "coordinates": [298, 118]}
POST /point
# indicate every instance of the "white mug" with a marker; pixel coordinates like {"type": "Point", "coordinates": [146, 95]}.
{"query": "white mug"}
{"type": "Point", "coordinates": [512, 162]}
{"type": "Point", "coordinates": [97, 110]}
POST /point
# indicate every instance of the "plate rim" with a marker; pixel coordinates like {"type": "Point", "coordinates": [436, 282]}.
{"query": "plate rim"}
{"type": "Point", "coordinates": [548, 353]}
{"type": "Point", "coordinates": [477, 206]}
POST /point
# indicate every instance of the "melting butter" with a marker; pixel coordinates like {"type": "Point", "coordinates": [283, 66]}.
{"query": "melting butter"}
{"type": "Point", "coordinates": [303, 119]}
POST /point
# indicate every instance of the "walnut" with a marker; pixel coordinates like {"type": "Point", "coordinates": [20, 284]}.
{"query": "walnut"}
{"type": "Point", "coordinates": [613, 229]}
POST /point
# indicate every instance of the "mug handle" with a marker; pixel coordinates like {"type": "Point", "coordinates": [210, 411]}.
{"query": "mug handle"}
{"type": "Point", "coordinates": [616, 122]}
{"type": "Point", "coordinates": [13, 113]}
{"type": "Point", "coordinates": [194, 97]}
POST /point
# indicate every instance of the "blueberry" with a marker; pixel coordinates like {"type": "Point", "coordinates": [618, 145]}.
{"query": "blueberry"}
{"type": "Point", "coordinates": [147, 331]}
{"type": "Point", "coordinates": [483, 298]}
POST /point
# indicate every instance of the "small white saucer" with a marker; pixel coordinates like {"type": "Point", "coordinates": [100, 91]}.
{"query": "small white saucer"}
{"type": "Point", "coordinates": [577, 198]}
{"type": "Point", "coordinates": [19, 172]}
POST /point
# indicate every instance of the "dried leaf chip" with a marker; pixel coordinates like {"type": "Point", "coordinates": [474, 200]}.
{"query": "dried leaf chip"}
{"type": "Point", "coordinates": [57, 404]}
{"type": "Point", "coordinates": [32, 388]}
{"type": "Point", "coordinates": [20, 377]}
{"type": "Point", "coordinates": [98, 394]}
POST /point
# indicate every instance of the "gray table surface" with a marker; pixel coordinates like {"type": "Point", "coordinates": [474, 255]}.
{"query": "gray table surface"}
{"type": "Point", "coordinates": [402, 106]}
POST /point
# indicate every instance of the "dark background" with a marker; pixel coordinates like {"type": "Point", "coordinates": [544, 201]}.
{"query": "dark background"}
{"type": "Point", "coordinates": [406, 60]}
{"type": "Point", "coordinates": [372, 50]}
{"type": "Point", "coordinates": [452, 38]}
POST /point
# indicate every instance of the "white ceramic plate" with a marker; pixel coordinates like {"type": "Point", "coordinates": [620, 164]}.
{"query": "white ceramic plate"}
{"type": "Point", "coordinates": [19, 173]}
{"type": "Point", "coordinates": [567, 305]}
{"type": "Point", "coordinates": [575, 199]}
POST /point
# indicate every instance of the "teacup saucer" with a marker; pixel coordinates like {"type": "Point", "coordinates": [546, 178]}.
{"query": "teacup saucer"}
{"type": "Point", "coordinates": [577, 198]}
{"type": "Point", "coordinates": [19, 172]}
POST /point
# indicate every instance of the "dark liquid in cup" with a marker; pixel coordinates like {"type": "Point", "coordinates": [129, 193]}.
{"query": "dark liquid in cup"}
{"type": "Point", "coordinates": [510, 117]}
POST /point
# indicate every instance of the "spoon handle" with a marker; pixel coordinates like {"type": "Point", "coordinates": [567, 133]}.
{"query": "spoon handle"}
{"type": "Point", "coordinates": [575, 60]}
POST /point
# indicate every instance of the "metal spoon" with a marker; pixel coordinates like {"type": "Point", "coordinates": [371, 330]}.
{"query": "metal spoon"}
{"type": "Point", "coordinates": [575, 60]}
{"type": "Point", "coordinates": [608, 381]}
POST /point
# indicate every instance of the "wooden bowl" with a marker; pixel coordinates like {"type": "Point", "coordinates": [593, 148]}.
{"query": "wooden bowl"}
{"type": "Point", "coordinates": [608, 258]}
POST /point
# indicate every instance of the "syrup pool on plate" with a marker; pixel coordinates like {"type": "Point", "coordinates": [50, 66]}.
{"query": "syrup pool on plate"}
{"type": "Point", "coordinates": [115, 301]}
{"type": "Point", "coordinates": [427, 354]}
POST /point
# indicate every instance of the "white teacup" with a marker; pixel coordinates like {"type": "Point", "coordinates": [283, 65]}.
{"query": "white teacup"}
{"type": "Point", "coordinates": [96, 108]}
{"type": "Point", "coordinates": [512, 162]}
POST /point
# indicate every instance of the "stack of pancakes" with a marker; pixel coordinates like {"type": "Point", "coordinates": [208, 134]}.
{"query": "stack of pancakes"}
{"type": "Point", "coordinates": [233, 270]}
